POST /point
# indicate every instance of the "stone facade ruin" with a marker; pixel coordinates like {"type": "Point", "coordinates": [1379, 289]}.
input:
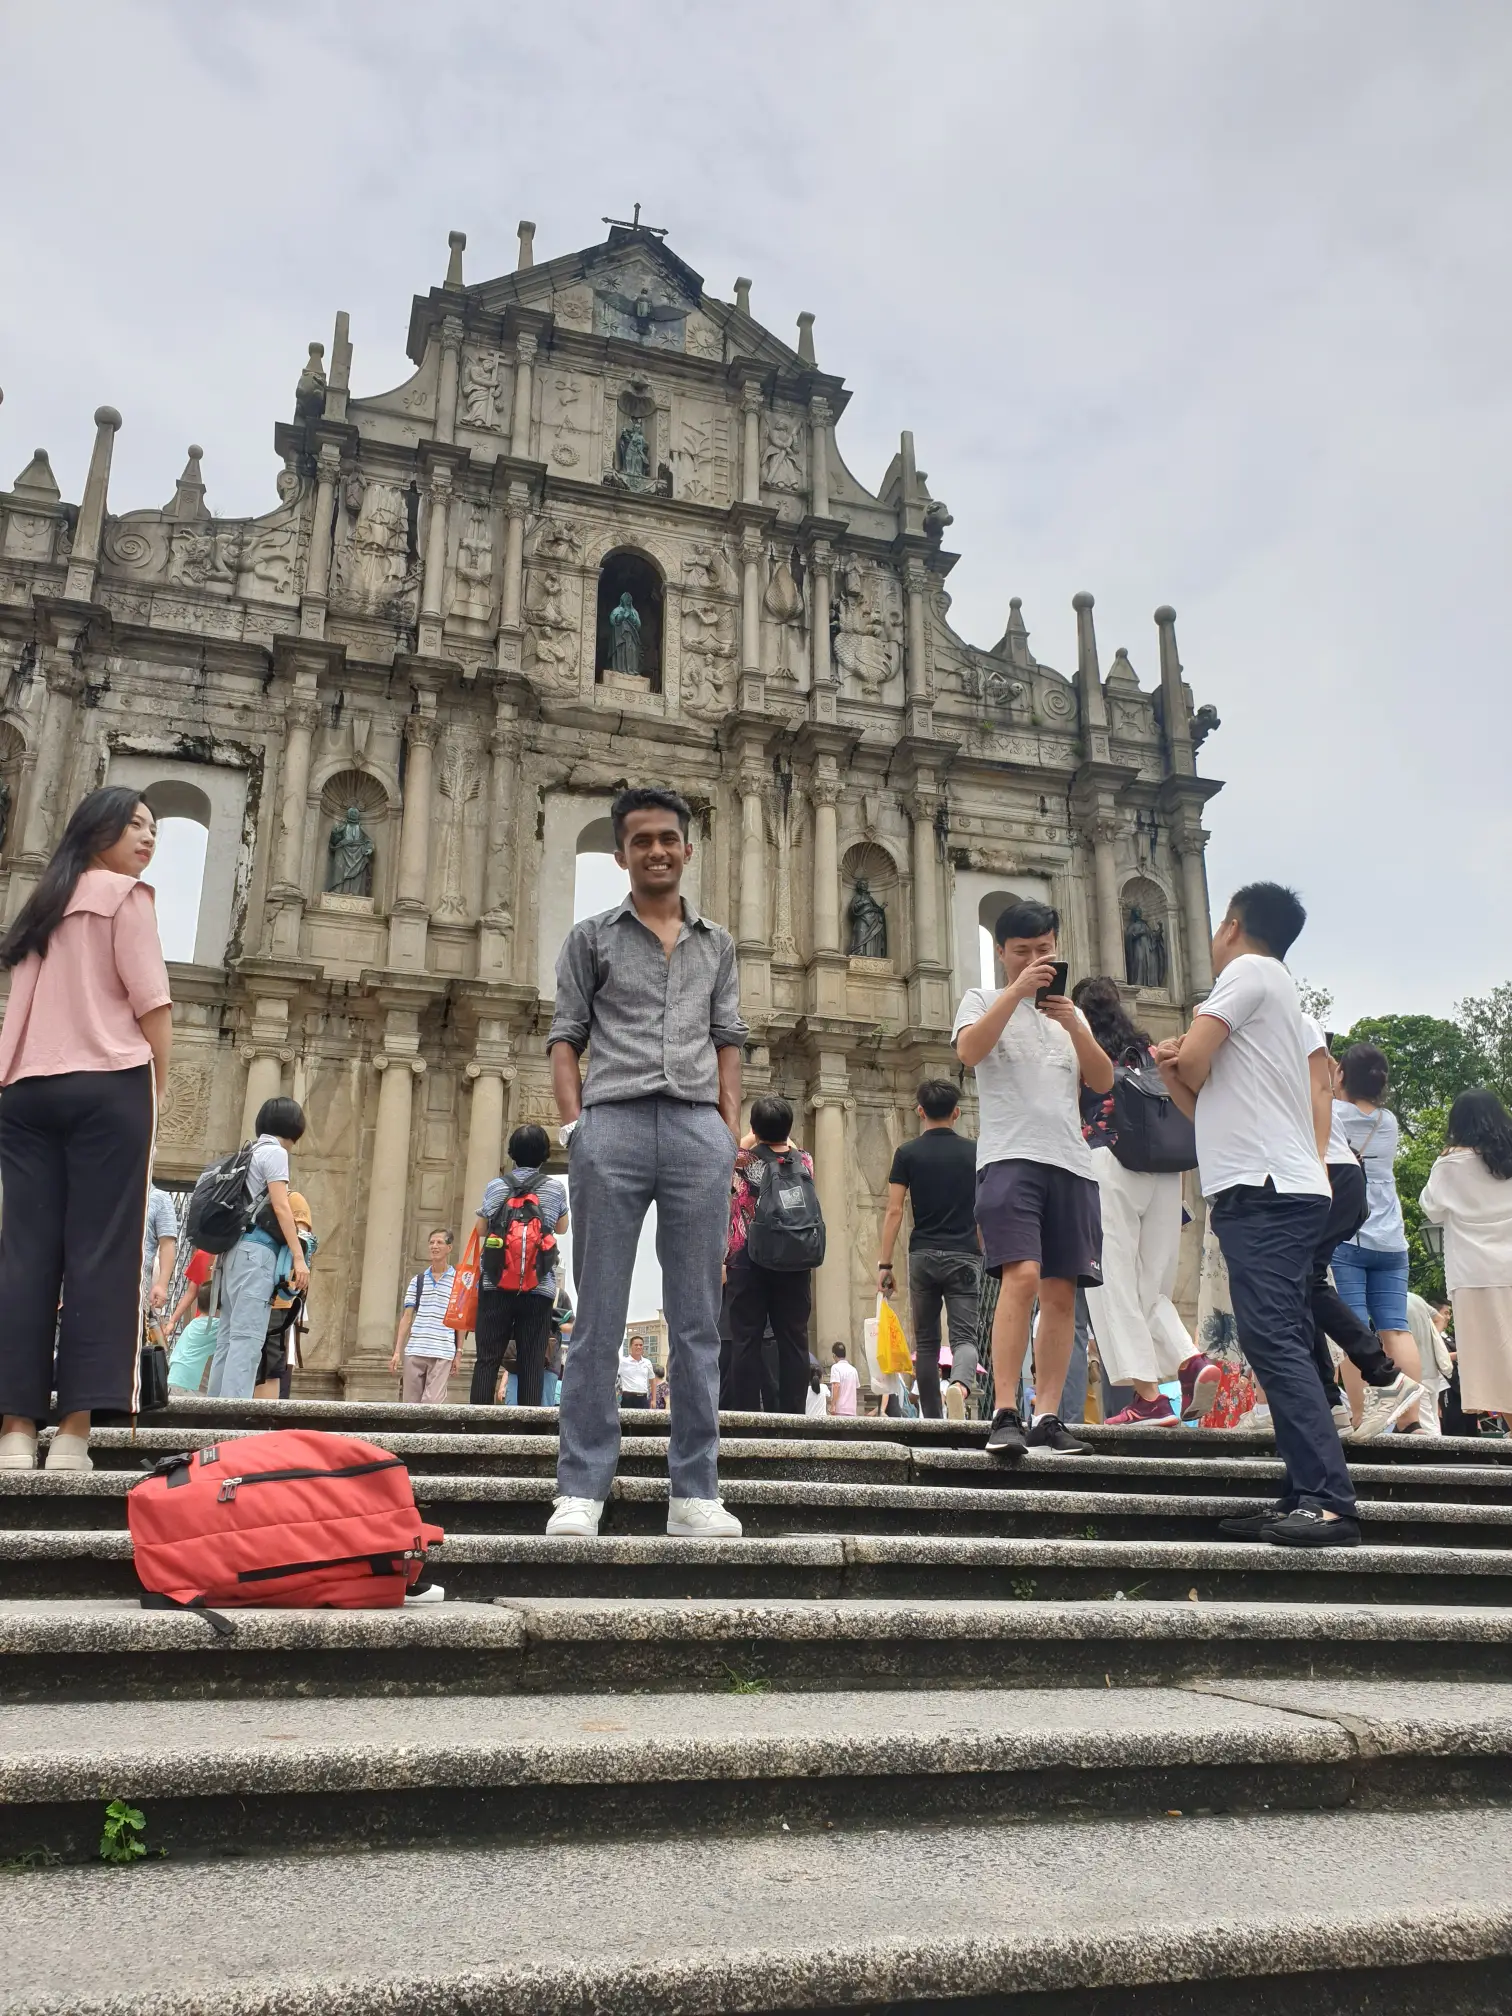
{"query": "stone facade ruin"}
{"type": "Point", "coordinates": [422, 631]}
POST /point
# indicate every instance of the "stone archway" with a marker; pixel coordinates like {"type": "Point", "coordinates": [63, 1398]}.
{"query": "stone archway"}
{"type": "Point", "coordinates": [212, 797]}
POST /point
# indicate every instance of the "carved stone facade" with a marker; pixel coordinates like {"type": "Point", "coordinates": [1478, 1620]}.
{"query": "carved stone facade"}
{"type": "Point", "coordinates": [410, 632]}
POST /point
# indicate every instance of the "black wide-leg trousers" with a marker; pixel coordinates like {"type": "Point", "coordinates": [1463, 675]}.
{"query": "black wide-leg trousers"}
{"type": "Point", "coordinates": [75, 1165]}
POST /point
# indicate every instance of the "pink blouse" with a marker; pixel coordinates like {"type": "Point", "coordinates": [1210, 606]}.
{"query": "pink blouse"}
{"type": "Point", "coordinates": [79, 1008]}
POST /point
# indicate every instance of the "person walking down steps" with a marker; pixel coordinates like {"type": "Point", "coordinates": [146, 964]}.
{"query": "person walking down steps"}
{"type": "Point", "coordinates": [83, 1061]}
{"type": "Point", "coordinates": [651, 991]}
{"type": "Point", "coordinates": [249, 1270]}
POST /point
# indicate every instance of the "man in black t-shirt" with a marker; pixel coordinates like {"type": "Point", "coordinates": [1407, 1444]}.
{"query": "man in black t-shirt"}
{"type": "Point", "coordinates": [937, 1174]}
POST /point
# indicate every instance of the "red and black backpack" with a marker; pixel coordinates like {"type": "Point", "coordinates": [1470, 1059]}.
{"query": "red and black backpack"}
{"type": "Point", "coordinates": [516, 1240]}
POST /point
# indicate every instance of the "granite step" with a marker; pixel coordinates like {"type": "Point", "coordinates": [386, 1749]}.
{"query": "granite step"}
{"type": "Point", "coordinates": [367, 1417]}
{"type": "Point", "coordinates": [778, 1509]}
{"type": "Point", "coordinates": [220, 1777]}
{"type": "Point", "coordinates": [1352, 1910]}
{"type": "Point", "coordinates": [800, 1460]}
{"type": "Point", "coordinates": [478, 1567]}
{"type": "Point", "coordinates": [113, 1650]}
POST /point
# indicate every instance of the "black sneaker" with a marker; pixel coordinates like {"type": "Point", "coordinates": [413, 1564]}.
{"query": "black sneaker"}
{"type": "Point", "coordinates": [1007, 1436]}
{"type": "Point", "coordinates": [1050, 1432]}
{"type": "Point", "coordinates": [1250, 1525]}
{"type": "Point", "coordinates": [1307, 1527]}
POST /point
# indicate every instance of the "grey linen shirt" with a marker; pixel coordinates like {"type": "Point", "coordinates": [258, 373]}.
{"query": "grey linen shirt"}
{"type": "Point", "coordinates": [655, 1025]}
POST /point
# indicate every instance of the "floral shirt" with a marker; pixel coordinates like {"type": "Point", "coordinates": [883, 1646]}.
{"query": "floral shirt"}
{"type": "Point", "coordinates": [745, 1186]}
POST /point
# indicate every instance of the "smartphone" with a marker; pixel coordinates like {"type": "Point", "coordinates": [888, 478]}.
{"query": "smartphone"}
{"type": "Point", "coordinates": [1057, 985]}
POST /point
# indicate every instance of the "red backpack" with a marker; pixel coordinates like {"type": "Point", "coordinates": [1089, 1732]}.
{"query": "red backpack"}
{"type": "Point", "coordinates": [517, 1239]}
{"type": "Point", "coordinates": [292, 1518]}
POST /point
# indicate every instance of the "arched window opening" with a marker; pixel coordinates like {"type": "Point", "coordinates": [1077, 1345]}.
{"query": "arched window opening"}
{"type": "Point", "coordinates": [599, 883]}
{"type": "Point", "coordinates": [177, 873]}
{"type": "Point", "coordinates": [629, 635]}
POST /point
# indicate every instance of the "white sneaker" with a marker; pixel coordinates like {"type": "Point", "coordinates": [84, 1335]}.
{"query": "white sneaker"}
{"type": "Point", "coordinates": [18, 1450]}
{"type": "Point", "coordinates": [69, 1452]}
{"type": "Point", "coordinates": [1385, 1404]}
{"type": "Point", "coordinates": [1343, 1418]}
{"type": "Point", "coordinates": [426, 1591]}
{"type": "Point", "coordinates": [701, 1519]}
{"type": "Point", "coordinates": [955, 1402]}
{"type": "Point", "coordinates": [575, 1519]}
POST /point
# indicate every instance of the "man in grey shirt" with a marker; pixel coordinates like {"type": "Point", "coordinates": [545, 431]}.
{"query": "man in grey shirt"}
{"type": "Point", "coordinates": [652, 991]}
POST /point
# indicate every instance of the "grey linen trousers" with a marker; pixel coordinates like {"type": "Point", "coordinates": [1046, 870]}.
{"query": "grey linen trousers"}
{"type": "Point", "coordinates": [625, 1156]}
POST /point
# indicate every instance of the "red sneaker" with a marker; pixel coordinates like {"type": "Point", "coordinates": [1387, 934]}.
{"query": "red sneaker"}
{"type": "Point", "coordinates": [1200, 1380]}
{"type": "Point", "coordinates": [1156, 1413]}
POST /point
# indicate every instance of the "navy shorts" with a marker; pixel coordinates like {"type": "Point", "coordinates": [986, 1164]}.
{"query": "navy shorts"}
{"type": "Point", "coordinates": [1033, 1211]}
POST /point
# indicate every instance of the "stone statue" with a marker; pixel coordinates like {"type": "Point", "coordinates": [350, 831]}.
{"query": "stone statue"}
{"type": "Point", "coordinates": [310, 392]}
{"type": "Point", "coordinates": [782, 459]}
{"type": "Point", "coordinates": [868, 924]}
{"type": "Point", "coordinates": [633, 456]}
{"type": "Point", "coordinates": [350, 872]}
{"type": "Point", "coordinates": [5, 812]}
{"type": "Point", "coordinates": [625, 636]}
{"type": "Point", "coordinates": [1204, 721]}
{"type": "Point", "coordinates": [1144, 951]}
{"type": "Point", "coordinates": [480, 389]}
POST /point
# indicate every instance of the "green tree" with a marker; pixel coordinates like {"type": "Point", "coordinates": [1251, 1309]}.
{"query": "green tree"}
{"type": "Point", "coordinates": [1431, 1060]}
{"type": "Point", "coordinates": [1487, 1024]}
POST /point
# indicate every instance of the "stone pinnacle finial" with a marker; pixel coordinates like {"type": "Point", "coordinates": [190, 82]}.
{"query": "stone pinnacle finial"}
{"type": "Point", "coordinates": [457, 240]}
{"type": "Point", "coordinates": [188, 499]}
{"type": "Point", "coordinates": [743, 295]}
{"type": "Point", "coordinates": [107, 416]}
{"type": "Point", "coordinates": [1081, 600]}
{"type": "Point", "coordinates": [806, 337]}
{"type": "Point", "coordinates": [527, 245]}
{"type": "Point", "coordinates": [37, 479]}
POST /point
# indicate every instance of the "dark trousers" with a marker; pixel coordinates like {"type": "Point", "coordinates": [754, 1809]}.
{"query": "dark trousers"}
{"type": "Point", "coordinates": [1268, 1243]}
{"type": "Point", "coordinates": [526, 1317]}
{"type": "Point", "coordinates": [75, 1161]}
{"type": "Point", "coordinates": [760, 1296]}
{"type": "Point", "coordinates": [937, 1279]}
{"type": "Point", "coordinates": [1332, 1315]}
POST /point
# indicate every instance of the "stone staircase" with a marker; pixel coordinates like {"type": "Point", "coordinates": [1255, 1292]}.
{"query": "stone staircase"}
{"type": "Point", "coordinates": [940, 1734]}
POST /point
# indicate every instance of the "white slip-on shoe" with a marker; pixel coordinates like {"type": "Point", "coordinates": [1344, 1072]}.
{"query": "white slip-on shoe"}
{"type": "Point", "coordinates": [574, 1518]}
{"type": "Point", "coordinates": [18, 1450]}
{"type": "Point", "coordinates": [701, 1519]}
{"type": "Point", "coordinates": [69, 1452]}
{"type": "Point", "coordinates": [1386, 1404]}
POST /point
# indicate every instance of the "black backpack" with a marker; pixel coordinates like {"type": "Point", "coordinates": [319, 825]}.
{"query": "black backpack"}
{"type": "Point", "coordinates": [220, 1210]}
{"type": "Point", "coordinates": [787, 1230]}
{"type": "Point", "coordinates": [1151, 1134]}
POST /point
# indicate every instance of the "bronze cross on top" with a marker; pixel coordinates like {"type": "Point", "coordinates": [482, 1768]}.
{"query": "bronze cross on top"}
{"type": "Point", "coordinates": [635, 224]}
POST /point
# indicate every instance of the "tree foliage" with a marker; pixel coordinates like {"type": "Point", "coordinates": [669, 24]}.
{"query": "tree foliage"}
{"type": "Point", "coordinates": [1431, 1061]}
{"type": "Point", "coordinates": [1487, 1023]}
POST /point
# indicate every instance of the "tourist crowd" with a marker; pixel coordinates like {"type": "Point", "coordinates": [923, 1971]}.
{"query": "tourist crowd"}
{"type": "Point", "coordinates": [1042, 1257]}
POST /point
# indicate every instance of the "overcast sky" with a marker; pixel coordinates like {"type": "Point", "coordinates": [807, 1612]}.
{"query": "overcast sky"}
{"type": "Point", "coordinates": [1188, 302]}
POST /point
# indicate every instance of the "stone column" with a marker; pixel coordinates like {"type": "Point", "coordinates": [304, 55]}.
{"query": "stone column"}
{"type": "Point", "coordinates": [1199, 928]}
{"type": "Point", "coordinates": [750, 605]}
{"type": "Point", "coordinates": [824, 792]}
{"type": "Point", "coordinates": [301, 717]}
{"type": "Point", "coordinates": [451, 359]}
{"type": "Point", "coordinates": [750, 443]}
{"type": "Point", "coordinates": [519, 433]}
{"type": "Point", "coordinates": [1102, 831]}
{"type": "Point", "coordinates": [1178, 727]}
{"type": "Point", "coordinates": [312, 608]}
{"type": "Point", "coordinates": [832, 1299]}
{"type": "Point", "coordinates": [434, 578]}
{"type": "Point", "coordinates": [514, 553]}
{"type": "Point", "coordinates": [407, 927]}
{"type": "Point", "coordinates": [916, 585]}
{"type": "Point", "coordinates": [821, 667]}
{"type": "Point", "coordinates": [819, 417]}
{"type": "Point", "coordinates": [264, 1081]}
{"type": "Point", "coordinates": [80, 580]}
{"type": "Point", "coordinates": [926, 879]}
{"type": "Point", "coordinates": [64, 686]}
{"type": "Point", "coordinates": [485, 1136]}
{"type": "Point", "coordinates": [383, 1254]}
{"type": "Point", "coordinates": [497, 925]}
{"type": "Point", "coordinates": [753, 860]}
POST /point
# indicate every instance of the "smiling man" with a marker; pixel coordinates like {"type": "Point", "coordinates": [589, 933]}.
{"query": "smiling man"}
{"type": "Point", "coordinates": [651, 990]}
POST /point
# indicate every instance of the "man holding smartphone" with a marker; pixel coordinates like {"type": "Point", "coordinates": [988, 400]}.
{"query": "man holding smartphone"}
{"type": "Point", "coordinates": [1037, 1203]}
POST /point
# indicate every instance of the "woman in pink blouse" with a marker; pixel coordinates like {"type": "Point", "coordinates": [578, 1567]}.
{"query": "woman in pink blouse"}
{"type": "Point", "coordinates": [83, 1058]}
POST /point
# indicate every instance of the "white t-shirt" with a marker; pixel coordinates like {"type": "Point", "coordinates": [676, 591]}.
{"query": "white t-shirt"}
{"type": "Point", "coordinates": [845, 1383]}
{"type": "Point", "coordinates": [1339, 1149]}
{"type": "Point", "coordinates": [1475, 1209]}
{"type": "Point", "coordinates": [1254, 1114]}
{"type": "Point", "coordinates": [814, 1403]}
{"type": "Point", "coordinates": [268, 1163]}
{"type": "Point", "coordinates": [1028, 1088]}
{"type": "Point", "coordinates": [636, 1374]}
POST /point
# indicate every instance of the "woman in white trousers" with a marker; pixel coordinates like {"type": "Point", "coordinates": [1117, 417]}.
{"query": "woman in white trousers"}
{"type": "Point", "coordinates": [1141, 1341]}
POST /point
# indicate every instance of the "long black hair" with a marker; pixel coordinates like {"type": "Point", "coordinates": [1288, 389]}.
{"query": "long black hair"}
{"type": "Point", "coordinates": [1478, 1120]}
{"type": "Point", "coordinates": [1100, 1001]}
{"type": "Point", "coordinates": [98, 822]}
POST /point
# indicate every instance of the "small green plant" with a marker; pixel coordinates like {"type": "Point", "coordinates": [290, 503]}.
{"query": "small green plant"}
{"type": "Point", "coordinates": [29, 1859]}
{"type": "Point", "coordinates": [747, 1683]}
{"type": "Point", "coordinates": [122, 1842]}
{"type": "Point", "coordinates": [1089, 1531]}
{"type": "Point", "coordinates": [1024, 1588]}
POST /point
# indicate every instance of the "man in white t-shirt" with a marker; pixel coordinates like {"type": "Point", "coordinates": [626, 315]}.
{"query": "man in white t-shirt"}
{"type": "Point", "coordinates": [636, 1374]}
{"type": "Point", "coordinates": [1037, 1203]}
{"type": "Point", "coordinates": [1242, 1071]}
{"type": "Point", "coordinates": [844, 1382]}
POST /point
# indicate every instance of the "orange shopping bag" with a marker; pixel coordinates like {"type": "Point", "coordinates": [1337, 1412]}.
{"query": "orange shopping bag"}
{"type": "Point", "coordinates": [892, 1346]}
{"type": "Point", "coordinates": [462, 1305]}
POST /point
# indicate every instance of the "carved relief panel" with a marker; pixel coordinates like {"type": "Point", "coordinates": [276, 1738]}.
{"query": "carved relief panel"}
{"type": "Point", "coordinates": [569, 422]}
{"type": "Point", "coordinates": [869, 627]}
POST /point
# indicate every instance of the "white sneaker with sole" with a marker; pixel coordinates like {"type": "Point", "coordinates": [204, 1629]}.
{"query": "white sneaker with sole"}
{"type": "Point", "coordinates": [1343, 1418]}
{"type": "Point", "coordinates": [955, 1402]}
{"type": "Point", "coordinates": [1385, 1404]}
{"type": "Point", "coordinates": [701, 1519]}
{"type": "Point", "coordinates": [575, 1519]}
{"type": "Point", "coordinates": [69, 1452]}
{"type": "Point", "coordinates": [426, 1591]}
{"type": "Point", "coordinates": [18, 1450]}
